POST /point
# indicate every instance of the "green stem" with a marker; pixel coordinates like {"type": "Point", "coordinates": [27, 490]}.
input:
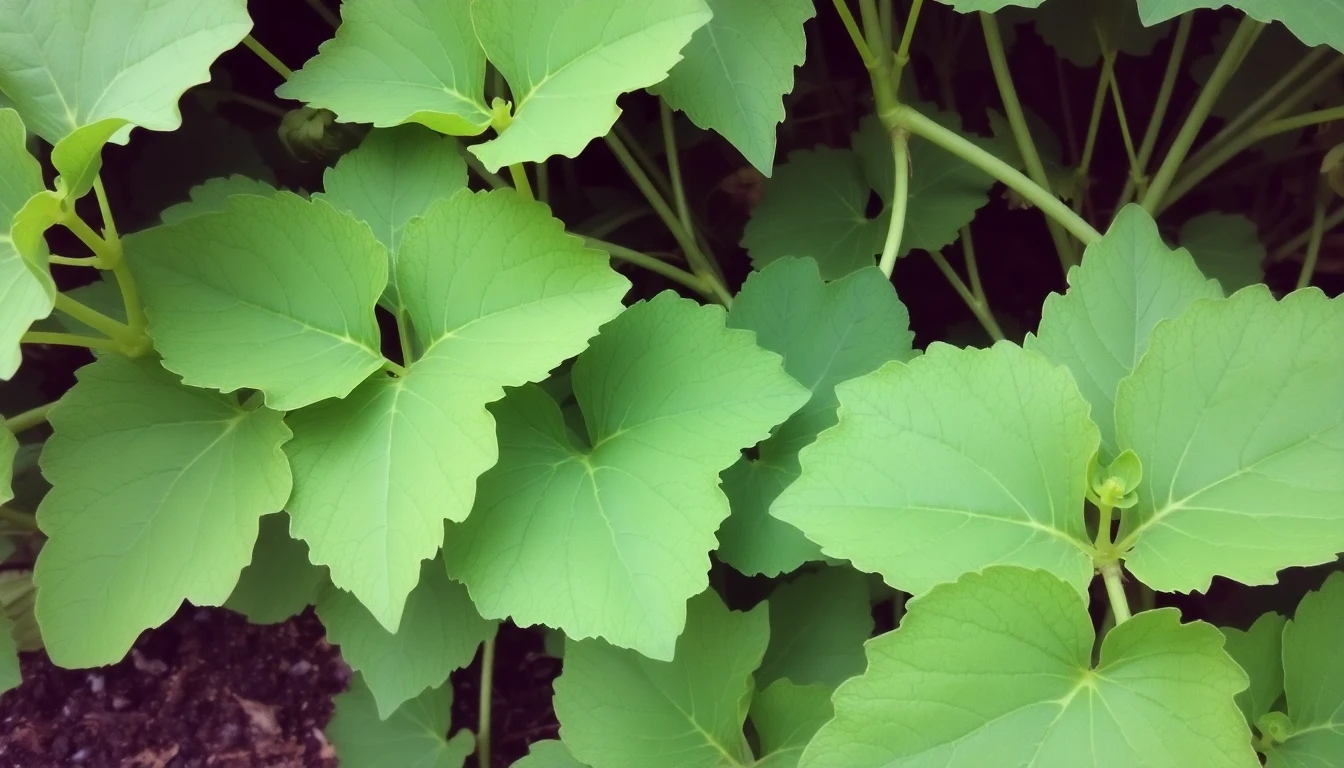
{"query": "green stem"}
{"type": "Point", "coordinates": [77, 261]}
{"type": "Point", "coordinates": [130, 293]}
{"type": "Point", "coordinates": [1274, 127]}
{"type": "Point", "coordinates": [855, 36]}
{"type": "Point", "coordinates": [900, 196]}
{"type": "Point", "coordinates": [1105, 516]}
{"type": "Point", "coordinates": [493, 180]}
{"type": "Point", "coordinates": [23, 520]}
{"type": "Point", "coordinates": [483, 703]}
{"type": "Point", "coordinates": [520, 182]}
{"type": "Point", "coordinates": [105, 210]}
{"type": "Point", "coordinates": [653, 265]}
{"type": "Point", "coordinates": [270, 58]}
{"type": "Point", "coordinates": [93, 318]}
{"type": "Point", "coordinates": [1314, 243]}
{"type": "Point", "coordinates": [107, 252]}
{"type": "Point", "coordinates": [674, 166]}
{"type": "Point", "coordinates": [325, 13]}
{"type": "Point", "coordinates": [976, 304]}
{"type": "Point", "coordinates": [1115, 591]}
{"type": "Point", "coordinates": [1160, 106]}
{"type": "Point", "coordinates": [404, 337]}
{"type": "Point", "coordinates": [879, 71]}
{"type": "Point", "coordinates": [1012, 109]}
{"type": "Point", "coordinates": [69, 340]}
{"type": "Point", "coordinates": [28, 419]}
{"type": "Point", "coordinates": [1240, 44]}
{"type": "Point", "coordinates": [543, 182]}
{"type": "Point", "coordinates": [610, 223]}
{"type": "Point", "coordinates": [1135, 168]}
{"type": "Point", "coordinates": [652, 169]}
{"type": "Point", "coordinates": [250, 101]}
{"type": "Point", "coordinates": [907, 34]}
{"type": "Point", "coordinates": [400, 371]}
{"type": "Point", "coordinates": [916, 123]}
{"type": "Point", "coordinates": [1090, 143]}
{"type": "Point", "coordinates": [1282, 252]}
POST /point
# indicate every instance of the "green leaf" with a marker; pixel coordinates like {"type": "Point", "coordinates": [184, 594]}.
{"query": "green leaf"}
{"type": "Point", "coordinates": [156, 493]}
{"type": "Point", "coordinates": [1226, 248]}
{"type": "Point", "coordinates": [500, 295]}
{"type": "Point", "coordinates": [548, 753]}
{"type": "Point", "coordinates": [1258, 651]}
{"type": "Point", "coordinates": [958, 460]}
{"type": "Point", "coordinates": [1313, 21]}
{"type": "Point", "coordinates": [393, 177]}
{"type": "Point", "coordinates": [279, 582]}
{"type": "Point", "coordinates": [611, 541]}
{"type": "Point", "coordinates": [274, 294]}
{"type": "Point", "coordinates": [10, 675]}
{"type": "Point", "coordinates": [438, 634]}
{"type": "Point", "coordinates": [1072, 27]}
{"type": "Point", "coordinates": [414, 736]}
{"type": "Point", "coordinates": [96, 68]}
{"type": "Point", "coordinates": [9, 448]}
{"type": "Point", "coordinates": [1313, 680]}
{"type": "Point", "coordinates": [399, 61]}
{"type": "Point", "coordinates": [213, 196]}
{"type": "Point", "coordinates": [26, 290]}
{"type": "Point", "coordinates": [827, 333]}
{"type": "Point", "coordinates": [996, 668]}
{"type": "Point", "coordinates": [618, 709]}
{"type": "Point", "coordinates": [1129, 282]}
{"type": "Point", "coordinates": [786, 717]}
{"type": "Point", "coordinates": [1235, 414]}
{"type": "Point", "coordinates": [566, 61]}
{"type": "Point", "coordinates": [737, 69]}
{"type": "Point", "coordinates": [818, 624]}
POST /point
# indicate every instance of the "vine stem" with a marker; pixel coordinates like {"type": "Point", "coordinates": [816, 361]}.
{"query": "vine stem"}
{"type": "Point", "coordinates": [520, 182]}
{"type": "Point", "coordinates": [1115, 591]}
{"type": "Point", "coordinates": [270, 58]}
{"type": "Point", "coordinates": [900, 149]}
{"type": "Point", "coordinates": [483, 704]}
{"type": "Point", "coordinates": [1164, 92]}
{"type": "Point", "coordinates": [1313, 242]}
{"type": "Point", "coordinates": [93, 318]}
{"type": "Point", "coordinates": [69, 340]}
{"type": "Point", "coordinates": [28, 419]}
{"type": "Point", "coordinates": [653, 264]}
{"type": "Point", "coordinates": [1236, 50]}
{"type": "Point", "coordinates": [916, 123]}
{"type": "Point", "coordinates": [674, 166]}
{"type": "Point", "coordinates": [130, 292]}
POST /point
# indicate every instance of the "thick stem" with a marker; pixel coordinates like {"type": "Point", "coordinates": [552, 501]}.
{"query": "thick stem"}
{"type": "Point", "coordinates": [1160, 106]}
{"type": "Point", "coordinates": [520, 182]}
{"type": "Point", "coordinates": [270, 58]}
{"type": "Point", "coordinates": [483, 703]}
{"type": "Point", "coordinates": [69, 340]}
{"type": "Point", "coordinates": [1313, 243]}
{"type": "Point", "coordinates": [899, 197]}
{"type": "Point", "coordinates": [1104, 518]}
{"type": "Point", "coordinates": [1053, 207]}
{"type": "Point", "coordinates": [1115, 591]}
{"type": "Point", "coordinates": [674, 166]}
{"type": "Point", "coordinates": [653, 265]}
{"type": "Point", "coordinates": [28, 419]}
{"type": "Point", "coordinates": [879, 70]}
{"type": "Point", "coordinates": [1241, 42]}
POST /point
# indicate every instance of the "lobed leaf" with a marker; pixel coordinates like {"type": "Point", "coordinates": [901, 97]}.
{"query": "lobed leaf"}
{"type": "Point", "coordinates": [1313, 681]}
{"type": "Point", "coordinates": [414, 736]}
{"type": "Point", "coordinates": [1226, 248]}
{"type": "Point", "coordinates": [213, 196]}
{"type": "Point", "coordinates": [1259, 653]}
{"type": "Point", "coordinates": [818, 624]}
{"type": "Point", "coordinates": [1313, 21]}
{"type": "Point", "coordinates": [786, 717]}
{"type": "Point", "coordinates": [279, 582]}
{"type": "Point", "coordinates": [26, 291]}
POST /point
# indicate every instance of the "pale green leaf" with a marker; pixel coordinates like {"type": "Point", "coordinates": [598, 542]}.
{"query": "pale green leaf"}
{"type": "Point", "coordinates": [611, 541]}
{"type": "Point", "coordinates": [958, 460]}
{"type": "Point", "coordinates": [500, 295]}
{"type": "Point", "coordinates": [274, 294]}
{"type": "Point", "coordinates": [439, 633]}
{"type": "Point", "coordinates": [213, 196]}
{"type": "Point", "coordinates": [279, 582]}
{"type": "Point", "coordinates": [9, 448]}
{"type": "Point", "coordinates": [618, 709]}
{"type": "Point", "coordinates": [1236, 415]}
{"type": "Point", "coordinates": [415, 736]}
{"type": "Point", "coordinates": [996, 669]}
{"type": "Point", "coordinates": [391, 178]}
{"type": "Point", "coordinates": [737, 69]}
{"type": "Point", "coordinates": [1073, 27]}
{"type": "Point", "coordinates": [26, 290]}
{"type": "Point", "coordinates": [786, 717]}
{"type": "Point", "coordinates": [1129, 282]}
{"type": "Point", "coordinates": [1313, 680]}
{"type": "Point", "coordinates": [566, 61]}
{"type": "Point", "coordinates": [104, 66]}
{"type": "Point", "coordinates": [10, 675]}
{"type": "Point", "coordinates": [399, 61]}
{"type": "Point", "coordinates": [818, 624]}
{"type": "Point", "coordinates": [1226, 248]}
{"type": "Point", "coordinates": [827, 333]}
{"type": "Point", "coordinates": [1313, 21]}
{"type": "Point", "coordinates": [548, 753]}
{"type": "Point", "coordinates": [1258, 651]}
{"type": "Point", "coordinates": [156, 493]}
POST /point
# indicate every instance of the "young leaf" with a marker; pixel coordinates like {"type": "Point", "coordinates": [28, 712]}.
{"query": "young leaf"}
{"type": "Point", "coordinates": [1235, 413]}
{"type": "Point", "coordinates": [1259, 653]}
{"type": "Point", "coordinates": [500, 295]}
{"type": "Point", "coordinates": [1129, 281]}
{"type": "Point", "coordinates": [393, 177]}
{"type": "Point", "coordinates": [279, 582]}
{"type": "Point", "coordinates": [999, 664]}
{"type": "Point", "coordinates": [1226, 248]}
{"type": "Point", "coordinates": [960, 459]}
{"type": "Point", "coordinates": [566, 61]}
{"type": "Point", "coordinates": [786, 717]}
{"type": "Point", "coordinates": [415, 735]}
{"type": "Point", "coordinates": [618, 709]}
{"type": "Point", "coordinates": [827, 333]}
{"type": "Point", "coordinates": [1313, 21]}
{"type": "Point", "coordinates": [548, 753]}
{"type": "Point", "coordinates": [213, 196]}
{"type": "Point", "coordinates": [98, 67]}
{"type": "Point", "coordinates": [274, 294]}
{"type": "Point", "coordinates": [1313, 680]}
{"type": "Point", "coordinates": [737, 69]}
{"type": "Point", "coordinates": [610, 541]}
{"type": "Point", "coordinates": [818, 624]}
{"type": "Point", "coordinates": [10, 674]}
{"type": "Point", "coordinates": [438, 634]}
{"type": "Point", "coordinates": [399, 61]}
{"type": "Point", "coordinates": [26, 290]}
{"type": "Point", "coordinates": [156, 493]}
